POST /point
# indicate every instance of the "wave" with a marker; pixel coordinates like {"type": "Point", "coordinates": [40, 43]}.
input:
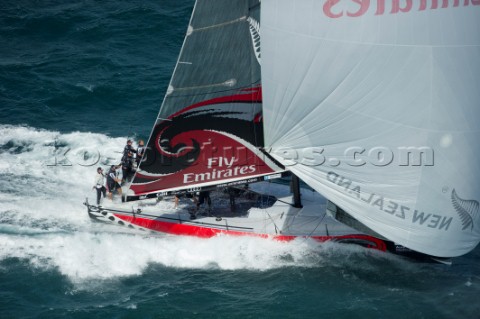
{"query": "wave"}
{"type": "Point", "coordinates": [104, 254]}
{"type": "Point", "coordinates": [44, 179]}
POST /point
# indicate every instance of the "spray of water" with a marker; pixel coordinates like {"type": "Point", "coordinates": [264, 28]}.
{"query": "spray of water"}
{"type": "Point", "coordinates": [44, 178]}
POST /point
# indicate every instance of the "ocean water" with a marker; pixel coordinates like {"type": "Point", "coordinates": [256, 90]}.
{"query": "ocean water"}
{"type": "Point", "coordinates": [76, 79]}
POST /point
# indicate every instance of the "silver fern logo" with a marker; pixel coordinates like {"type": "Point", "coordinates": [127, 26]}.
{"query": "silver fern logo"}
{"type": "Point", "coordinates": [466, 209]}
{"type": "Point", "coordinates": [255, 33]}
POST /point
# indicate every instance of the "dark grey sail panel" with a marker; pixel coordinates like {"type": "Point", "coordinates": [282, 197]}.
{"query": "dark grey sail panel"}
{"type": "Point", "coordinates": [226, 60]}
{"type": "Point", "coordinates": [210, 13]}
{"type": "Point", "coordinates": [209, 129]}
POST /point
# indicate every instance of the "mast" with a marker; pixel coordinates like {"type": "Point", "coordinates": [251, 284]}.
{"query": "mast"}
{"type": "Point", "coordinates": [297, 202]}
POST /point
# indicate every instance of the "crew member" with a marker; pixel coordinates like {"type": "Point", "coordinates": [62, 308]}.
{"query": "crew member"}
{"type": "Point", "coordinates": [113, 182]}
{"type": "Point", "coordinates": [127, 167]}
{"type": "Point", "coordinates": [99, 184]}
{"type": "Point", "coordinates": [129, 148]}
{"type": "Point", "coordinates": [202, 197]}
{"type": "Point", "coordinates": [140, 152]}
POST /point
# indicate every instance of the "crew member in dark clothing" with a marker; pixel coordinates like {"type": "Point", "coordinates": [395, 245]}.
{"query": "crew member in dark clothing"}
{"type": "Point", "coordinates": [202, 197]}
{"type": "Point", "coordinates": [129, 148]}
{"type": "Point", "coordinates": [113, 182]}
{"type": "Point", "coordinates": [127, 167]}
{"type": "Point", "coordinates": [232, 194]}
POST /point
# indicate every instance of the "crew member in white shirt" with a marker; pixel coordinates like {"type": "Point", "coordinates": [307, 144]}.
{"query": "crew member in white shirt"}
{"type": "Point", "coordinates": [99, 184]}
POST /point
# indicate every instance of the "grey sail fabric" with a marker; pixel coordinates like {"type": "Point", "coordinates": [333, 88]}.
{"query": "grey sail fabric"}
{"type": "Point", "coordinates": [209, 129]}
{"type": "Point", "coordinates": [375, 104]}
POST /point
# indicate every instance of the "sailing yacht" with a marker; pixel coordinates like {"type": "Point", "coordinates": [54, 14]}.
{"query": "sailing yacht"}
{"type": "Point", "coordinates": [374, 108]}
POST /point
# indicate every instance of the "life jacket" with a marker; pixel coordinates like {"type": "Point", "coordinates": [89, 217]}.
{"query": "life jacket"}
{"type": "Point", "coordinates": [140, 151]}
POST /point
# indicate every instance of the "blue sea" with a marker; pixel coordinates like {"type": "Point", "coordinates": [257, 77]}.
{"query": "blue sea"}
{"type": "Point", "coordinates": [77, 78]}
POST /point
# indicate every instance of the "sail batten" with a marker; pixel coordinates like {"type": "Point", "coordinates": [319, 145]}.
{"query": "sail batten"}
{"type": "Point", "coordinates": [241, 19]}
{"type": "Point", "coordinates": [227, 83]}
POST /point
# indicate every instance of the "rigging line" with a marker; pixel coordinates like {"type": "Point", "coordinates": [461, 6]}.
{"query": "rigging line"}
{"type": "Point", "coordinates": [282, 201]}
{"type": "Point", "coordinates": [273, 221]}
{"type": "Point", "coordinates": [277, 230]}
{"type": "Point", "coordinates": [313, 230]}
{"type": "Point", "coordinates": [272, 158]}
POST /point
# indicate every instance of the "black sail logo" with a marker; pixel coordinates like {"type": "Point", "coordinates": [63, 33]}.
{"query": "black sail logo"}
{"type": "Point", "coordinates": [466, 209]}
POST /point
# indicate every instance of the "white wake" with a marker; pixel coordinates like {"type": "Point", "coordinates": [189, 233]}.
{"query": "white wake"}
{"type": "Point", "coordinates": [44, 179]}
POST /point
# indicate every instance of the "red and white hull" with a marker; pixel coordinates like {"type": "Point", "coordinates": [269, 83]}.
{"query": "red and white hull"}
{"type": "Point", "coordinates": [280, 221]}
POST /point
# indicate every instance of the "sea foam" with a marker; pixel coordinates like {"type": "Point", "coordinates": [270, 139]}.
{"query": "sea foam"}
{"type": "Point", "coordinates": [44, 178]}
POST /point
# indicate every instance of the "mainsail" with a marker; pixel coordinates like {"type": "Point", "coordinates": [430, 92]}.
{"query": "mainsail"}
{"type": "Point", "coordinates": [376, 104]}
{"type": "Point", "coordinates": [209, 129]}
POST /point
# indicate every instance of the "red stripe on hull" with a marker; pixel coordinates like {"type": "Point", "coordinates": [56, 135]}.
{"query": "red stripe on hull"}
{"type": "Point", "coordinates": [184, 229]}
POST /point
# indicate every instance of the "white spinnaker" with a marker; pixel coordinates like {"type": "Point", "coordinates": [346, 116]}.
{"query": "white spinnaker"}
{"type": "Point", "coordinates": [380, 82]}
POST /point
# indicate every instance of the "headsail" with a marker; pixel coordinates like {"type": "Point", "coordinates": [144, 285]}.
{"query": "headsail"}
{"type": "Point", "coordinates": [209, 129]}
{"type": "Point", "coordinates": [376, 104]}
